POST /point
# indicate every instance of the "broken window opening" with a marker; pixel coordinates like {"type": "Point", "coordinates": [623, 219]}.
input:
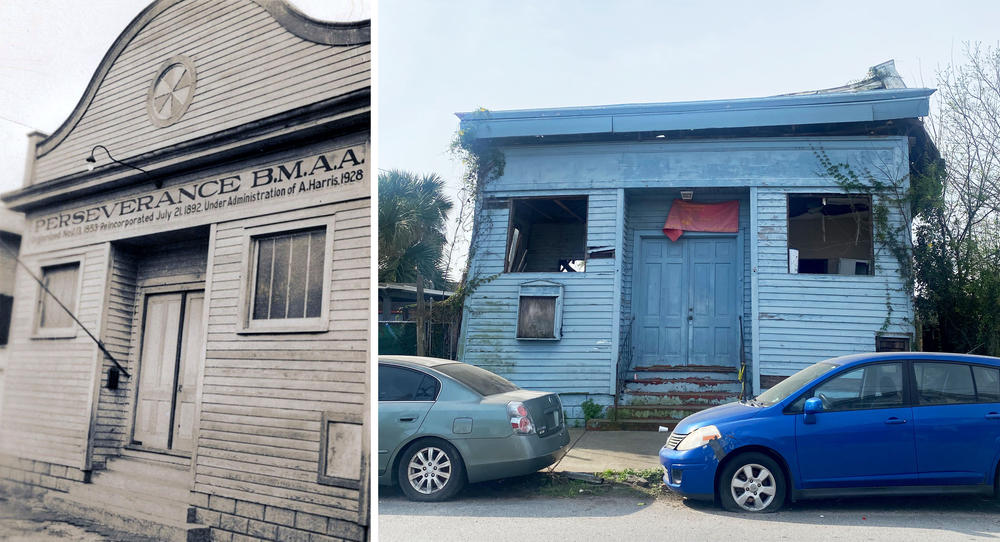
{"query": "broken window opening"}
{"type": "Point", "coordinates": [830, 234]}
{"type": "Point", "coordinates": [547, 235]}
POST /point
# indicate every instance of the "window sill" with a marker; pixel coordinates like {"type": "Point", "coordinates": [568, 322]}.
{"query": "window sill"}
{"type": "Point", "coordinates": [54, 333]}
{"type": "Point", "coordinates": [311, 325]}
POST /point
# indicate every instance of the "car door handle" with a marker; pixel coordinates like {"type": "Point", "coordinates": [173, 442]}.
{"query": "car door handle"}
{"type": "Point", "coordinates": [993, 416]}
{"type": "Point", "coordinates": [894, 420]}
{"type": "Point", "coordinates": [408, 418]}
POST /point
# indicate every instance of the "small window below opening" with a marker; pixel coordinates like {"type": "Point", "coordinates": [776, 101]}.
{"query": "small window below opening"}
{"type": "Point", "coordinates": [830, 234]}
{"type": "Point", "coordinates": [547, 235]}
{"type": "Point", "coordinates": [892, 344]}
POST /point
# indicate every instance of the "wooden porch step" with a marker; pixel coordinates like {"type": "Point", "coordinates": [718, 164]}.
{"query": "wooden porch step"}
{"type": "Point", "coordinates": [699, 398]}
{"type": "Point", "coordinates": [685, 369]}
{"type": "Point", "coordinates": [179, 460]}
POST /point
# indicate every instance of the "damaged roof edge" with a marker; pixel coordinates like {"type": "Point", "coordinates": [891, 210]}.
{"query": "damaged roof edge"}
{"type": "Point", "coordinates": [864, 106]}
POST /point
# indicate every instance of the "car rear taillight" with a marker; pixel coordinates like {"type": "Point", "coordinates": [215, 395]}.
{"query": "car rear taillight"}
{"type": "Point", "coordinates": [520, 421]}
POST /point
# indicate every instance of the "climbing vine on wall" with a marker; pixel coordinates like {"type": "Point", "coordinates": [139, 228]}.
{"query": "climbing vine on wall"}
{"type": "Point", "coordinates": [893, 193]}
{"type": "Point", "coordinates": [481, 163]}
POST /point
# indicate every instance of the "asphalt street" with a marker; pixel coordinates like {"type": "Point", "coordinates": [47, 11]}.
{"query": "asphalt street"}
{"type": "Point", "coordinates": [499, 519]}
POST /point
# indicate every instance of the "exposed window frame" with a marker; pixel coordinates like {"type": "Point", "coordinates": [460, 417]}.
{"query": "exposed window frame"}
{"type": "Point", "coordinates": [65, 332]}
{"type": "Point", "coordinates": [788, 228]}
{"type": "Point", "coordinates": [541, 288]}
{"type": "Point", "coordinates": [319, 324]}
{"type": "Point", "coordinates": [507, 262]}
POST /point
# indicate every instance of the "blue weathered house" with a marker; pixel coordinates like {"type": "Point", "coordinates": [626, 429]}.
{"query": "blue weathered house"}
{"type": "Point", "coordinates": [591, 299]}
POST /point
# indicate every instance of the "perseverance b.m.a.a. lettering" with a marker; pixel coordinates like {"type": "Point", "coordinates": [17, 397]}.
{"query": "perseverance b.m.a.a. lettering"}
{"type": "Point", "coordinates": [308, 167]}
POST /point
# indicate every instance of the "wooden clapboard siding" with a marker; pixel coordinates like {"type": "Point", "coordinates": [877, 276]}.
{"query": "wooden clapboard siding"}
{"type": "Point", "coordinates": [801, 318]}
{"type": "Point", "coordinates": [50, 382]}
{"type": "Point", "coordinates": [177, 262]}
{"type": "Point", "coordinates": [628, 249]}
{"type": "Point", "coordinates": [582, 361]}
{"type": "Point", "coordinates": [119, 336]}
{"type": "Point", "coordinates": [648, 212]}
{"type": "Point", "coordinates": [248, 66]}
{"type": "Point", "coordinates": [263, 395]}
{"type": "Point", "coordinates": [808, 318]}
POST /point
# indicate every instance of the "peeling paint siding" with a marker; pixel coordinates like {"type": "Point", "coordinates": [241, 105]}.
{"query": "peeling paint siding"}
{"type": "Point", "coordinates": [582, 361]}
{"type": "Point", "coordinates": [803, 319]}
{"type": "Point", "coordinates": [808, 318]}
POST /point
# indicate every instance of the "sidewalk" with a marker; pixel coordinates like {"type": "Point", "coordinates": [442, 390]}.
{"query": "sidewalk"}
{"type": "Point", "coordinates": [596, 451]}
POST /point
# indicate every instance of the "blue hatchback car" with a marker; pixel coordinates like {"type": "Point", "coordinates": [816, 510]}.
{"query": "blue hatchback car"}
{"type": "Point", "coordinates": [886, 423]}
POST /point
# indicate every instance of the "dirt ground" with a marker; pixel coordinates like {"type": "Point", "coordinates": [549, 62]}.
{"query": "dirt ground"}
{"type": "Point", "coordinates": [27, 521]}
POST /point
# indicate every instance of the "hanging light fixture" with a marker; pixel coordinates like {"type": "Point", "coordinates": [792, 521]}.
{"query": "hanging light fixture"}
{"type": "Point", "coordinates": [92, 162]}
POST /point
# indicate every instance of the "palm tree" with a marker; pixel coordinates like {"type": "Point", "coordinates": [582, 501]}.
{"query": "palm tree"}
{"type": "Point", "coordinates": [412, 215]}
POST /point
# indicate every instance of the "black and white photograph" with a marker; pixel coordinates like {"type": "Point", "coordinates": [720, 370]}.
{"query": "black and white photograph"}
{"type": "Point", "coordinates": [186, 255]}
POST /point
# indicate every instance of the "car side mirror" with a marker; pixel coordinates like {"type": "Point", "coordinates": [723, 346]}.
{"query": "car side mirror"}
{"type": "Point", "coordinates": [813, 406]}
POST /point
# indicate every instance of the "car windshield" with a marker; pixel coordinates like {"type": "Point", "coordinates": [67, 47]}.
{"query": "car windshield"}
{"type": "Point", "coordinates": [793, 383]}
{"type": "Point", "coordinates": [479, 380]}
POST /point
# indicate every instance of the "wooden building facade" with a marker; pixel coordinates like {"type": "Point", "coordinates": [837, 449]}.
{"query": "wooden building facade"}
{"type": "Point", "coordinates": [212, 380]}
{"type": "Point", "coordinates": [590, 298]}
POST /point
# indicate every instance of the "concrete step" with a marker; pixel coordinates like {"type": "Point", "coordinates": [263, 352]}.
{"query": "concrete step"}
{"type": "Point", "coordinates": [127, 519]}
{"type": "Point", "coordinates": [150, 502]}
{"type": "Point", "coordinates": [145, 483]}
{"type": "Point", "coordinates": [169, 473]}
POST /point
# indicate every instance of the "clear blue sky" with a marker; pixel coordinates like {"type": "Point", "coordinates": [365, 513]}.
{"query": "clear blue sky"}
{"type": "Point", "coordinates": [436, 58]}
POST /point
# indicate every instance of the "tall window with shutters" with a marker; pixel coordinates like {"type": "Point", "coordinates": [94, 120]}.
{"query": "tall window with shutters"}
{"type": "Point", "coordinates": [289, 287]}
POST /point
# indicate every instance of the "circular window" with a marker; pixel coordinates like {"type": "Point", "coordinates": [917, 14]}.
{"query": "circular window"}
{"type": "Point", "coordinates": [171, 91]}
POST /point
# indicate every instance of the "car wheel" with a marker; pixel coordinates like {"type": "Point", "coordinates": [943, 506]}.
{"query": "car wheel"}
{"type": "Point", "coordinates": [431, 470]}
{"type": "Point", "coordinates": [752, 482]}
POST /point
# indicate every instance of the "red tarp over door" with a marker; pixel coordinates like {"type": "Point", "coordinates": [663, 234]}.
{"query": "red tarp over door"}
{"type": "Point", "coordinates": [688, 216]}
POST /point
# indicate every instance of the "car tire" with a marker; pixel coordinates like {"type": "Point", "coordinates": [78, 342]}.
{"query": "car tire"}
{"type": "Point", "coordinates": [752, 482]}
{"type": "Point", "coordinates": [430, 470]}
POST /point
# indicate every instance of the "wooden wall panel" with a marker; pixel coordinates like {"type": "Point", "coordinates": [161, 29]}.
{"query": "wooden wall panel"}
{"type": "Point", "coordinates": [263, 395]}
{"type": "Point", "coordinates": [112, 425]}
{"type": "Point", "coordinates": [582, 361]}
{"type": "Point", "coordinates": [809, 318]}
{"type": "Point", "coordinates": [249, 67]}
{"type": "Point", "coordinates": [50, 382]}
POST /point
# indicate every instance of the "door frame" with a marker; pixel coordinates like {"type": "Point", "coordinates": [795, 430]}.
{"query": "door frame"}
{"type": "Point", "coordinates": [144, 292]}
{"type": "Point", "coordinates": [638, 235]}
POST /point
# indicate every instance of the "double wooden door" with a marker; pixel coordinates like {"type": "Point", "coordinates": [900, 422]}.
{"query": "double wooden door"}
{"type": "Point", "coordinates": [687, 301]}
{"type": "Point", "coordinates": [172, 341]}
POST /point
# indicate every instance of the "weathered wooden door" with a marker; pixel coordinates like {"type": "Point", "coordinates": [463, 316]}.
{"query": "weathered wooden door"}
{"type": "Point", "coordinates": [661, 334]}
{"type": "Point", "coordinates": [191, 343]}
{"type": "Point", "coordinates": [714, 305]}
{"type": "Point", "coordinates": [172, 338]}
{"type": "Point", "coordinates": [687, 301]}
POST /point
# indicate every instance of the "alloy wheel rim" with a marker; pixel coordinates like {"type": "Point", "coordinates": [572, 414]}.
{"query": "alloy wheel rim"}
{"type": "Point", "coordinates": [753, 487]}
{"type": "Point", "coordinates": [429, 470]}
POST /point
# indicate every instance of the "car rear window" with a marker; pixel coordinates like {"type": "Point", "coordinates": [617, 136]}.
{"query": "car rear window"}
{"type": "Point", "coordinates": [944, 383]}
{"type": "Point", "coordinates": [479, 380]}
{"type": "Point", "coordinates": [987, 383]}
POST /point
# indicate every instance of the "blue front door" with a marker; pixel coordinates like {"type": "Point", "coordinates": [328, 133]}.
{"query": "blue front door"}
{"type": "Point", "coordinates": [687, 301]}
